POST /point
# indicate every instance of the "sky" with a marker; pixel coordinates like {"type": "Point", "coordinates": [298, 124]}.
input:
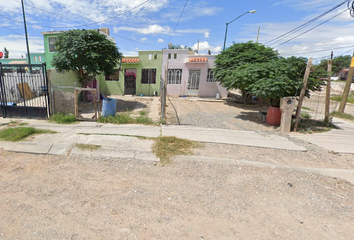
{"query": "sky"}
{"type": "Point", "coordinates": [138, 25]}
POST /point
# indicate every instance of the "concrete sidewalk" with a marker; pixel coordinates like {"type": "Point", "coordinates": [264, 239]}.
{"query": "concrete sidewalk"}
{"type": "Point", "coordinates": [337, 140]}
{"type": "Point", "coordinates": [110, 133]}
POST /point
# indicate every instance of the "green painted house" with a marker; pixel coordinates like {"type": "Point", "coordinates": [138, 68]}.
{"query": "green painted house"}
{"type": "Point", "coordinates": [138, 75]}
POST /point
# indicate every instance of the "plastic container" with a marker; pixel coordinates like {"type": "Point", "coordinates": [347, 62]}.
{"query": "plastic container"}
{"type": "Point", "coordinates": [273, 116]}
{"type": "Point", "coordinates": [109, 106]}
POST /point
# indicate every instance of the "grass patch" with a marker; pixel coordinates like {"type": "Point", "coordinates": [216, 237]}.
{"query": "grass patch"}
{"type": "Point", "coordinates": [342, 115]}
{"type": "Point", "coordinates": [122, 118]}
{"type": "Point", "coordinates": [19, 133]}
{"type": "Point", "coordinates": [62, 118]}
{"type": "Point", "coordinates": [314, 126]}
{"type": "Point", "coordinates": [166, 147]}
{"type": "Point", "coordinates": [338, 98]}
{"type": "Point", "coordinates": [306, 108]}
{"type": "Point", "coordinates": [143, 120]}
{"type": "Point", "coordinates": [17, 123]}
{"type": "Point", "coordinates": [125, 118]}
{"type": "Point", "coordinates": [90, 147]}
{"type": "Point", "coordinates": [142, 113]}
{"type": "Point", "coordinates": [305, 115]}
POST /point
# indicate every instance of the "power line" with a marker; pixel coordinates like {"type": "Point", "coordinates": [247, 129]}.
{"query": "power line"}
{"type": "Point", "coordinates": [311, 28]}
{"type": "Point", "coordinates": [136, 41]}
{"type": "Point", "coordinates": [52, 13]}
{"type": "Point", "coordinates": [306, 24]}
{"type": "Point", "coordinates": [323, 50]}
{"type": "Point", "coordinates": [9, 29]}
{"type": "Point", "coordinates": [93, 23]}
{"type": "Point", "coordinates": [179, 19]}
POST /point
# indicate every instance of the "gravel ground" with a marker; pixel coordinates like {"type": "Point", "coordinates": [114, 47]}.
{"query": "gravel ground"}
{"type": "Point", "coordinates": [52, 197]}
{"type": "Point", "coordinates": [216, 114]}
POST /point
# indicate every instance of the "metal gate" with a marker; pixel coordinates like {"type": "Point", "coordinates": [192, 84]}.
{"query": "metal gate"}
{"type": "Point", "coordinates": [24, 90]}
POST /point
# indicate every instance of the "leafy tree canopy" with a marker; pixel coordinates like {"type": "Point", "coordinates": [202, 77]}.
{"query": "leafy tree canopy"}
{"type": "Point", "coordinates": [87, 52]}
{"type": "Point", "coordinates": [258, 70]}
{"type": "Point", "coordinates": [281, 78]}
{"type": "Point", "coordinates": [177, 46]}
{"type": "Point", "coordinates": [6, 53]}
{"type": "Point", "coordinates": [338, 63]}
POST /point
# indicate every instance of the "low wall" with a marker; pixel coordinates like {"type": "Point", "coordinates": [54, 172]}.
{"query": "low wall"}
{"type": "Point", "coordinates": [64, 102]}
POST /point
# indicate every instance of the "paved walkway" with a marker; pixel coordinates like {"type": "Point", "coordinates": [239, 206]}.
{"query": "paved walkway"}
{"type": "Point", "coordinates": [246, 138]}
{"type": "Point", "coordinates": [339, 140]}
{"type": "Point", "coordinates": [117, 142]}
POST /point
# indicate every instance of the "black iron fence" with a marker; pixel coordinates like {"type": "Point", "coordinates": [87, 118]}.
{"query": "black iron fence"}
{"type": "Point", "coordinates": [24, 90]}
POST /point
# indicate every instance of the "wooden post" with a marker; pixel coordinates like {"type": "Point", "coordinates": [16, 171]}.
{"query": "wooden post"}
{"type": "Point", "coordinates": [347, 87]}
{"type": "Point", "coordinates": [95, 103]}
{"type": "Point", "coordinates": [328, 89]}
{"type": "Point", "coordinates": [302, 93]}
{"type": "Point", "coordinates": [76, 105]}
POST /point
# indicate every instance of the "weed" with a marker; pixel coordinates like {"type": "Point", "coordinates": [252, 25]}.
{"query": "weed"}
{"type": "Point", "coordinates": [306, 108]}
{"type": "Point", "coordinates": [315, 126]}
{"type": "Point", "coordinates": [90, 147]}
{"type": "Point", "coordinates": [342, 115]}
{"type": "Point", "coordinates": [338, 98]}
{"type": "Point", "coordinates": [166, 147]}
{"type": "Point", "coordinates": [19, 133]}
{"type": "Point", "coordinates": [305, 115]}
{"type": "Point", "coordinates": [142, 113]}
{"type": "Point", "coordinates": [122, 118]}
{"type": "Point", "coordinates": [143, 120]}
{"type": "Point", "coordinates": [62, 118]}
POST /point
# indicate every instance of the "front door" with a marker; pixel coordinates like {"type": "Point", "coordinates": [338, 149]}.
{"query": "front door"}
{"type": "Point", "coordinates": [130, 81]}
{"type": "Point", "coordinates": [193, 83]}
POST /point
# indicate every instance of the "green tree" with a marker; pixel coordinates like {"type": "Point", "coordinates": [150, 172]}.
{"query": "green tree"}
{"type": "Point", "coordinates": [87, 52]}
{"type": "Point", "coordinates": [280, 78]}
{"type": "Point", "coordinates": [233, 65]}
{"type": "Point", "coordinates": [338, 63]}
{"type": "Point", "coordinates": [6, 53]}
{"type": "Point", "coordinates": [177, 46]}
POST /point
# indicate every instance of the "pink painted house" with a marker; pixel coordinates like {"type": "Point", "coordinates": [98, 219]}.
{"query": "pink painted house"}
{"type": "Point", "coordinates": [190, 74]}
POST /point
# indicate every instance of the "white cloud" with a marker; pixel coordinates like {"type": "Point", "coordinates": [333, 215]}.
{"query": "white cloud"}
{"type": "Point", "coordinates": [160, 40]}
{"type": "Point", "coordinates": [204, 46]}
{"type": "Point", "coordinates": [152, 29]}
{"type": "Point", "coordinates": [16, 44]}
{"type": "Point", "coordinates": [206, 34]}
{"type": "Point", "coordinates": [143, 39]}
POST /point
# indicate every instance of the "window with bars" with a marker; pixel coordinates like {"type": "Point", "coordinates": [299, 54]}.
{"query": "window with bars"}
{"type": "Point", "coordinates": [113, 77]}
{"type": "Point", "coordinates": [174, 76]}
{"type": "Point", "coordinates": [210, 77]}
{"type": "Point", "coordinates": [148, 76]}
{"type": "Point", "coordinates": [51, 41]}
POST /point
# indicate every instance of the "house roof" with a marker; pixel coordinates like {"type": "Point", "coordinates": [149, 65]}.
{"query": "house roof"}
{"type": "Point", "coordinates": [198, 59]}
{"type": "Point", "coordinates": [130, 60]}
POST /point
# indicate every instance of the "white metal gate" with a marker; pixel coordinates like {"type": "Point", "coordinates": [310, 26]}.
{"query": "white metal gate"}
{"type": "Point", "coordinates": [193, 83]}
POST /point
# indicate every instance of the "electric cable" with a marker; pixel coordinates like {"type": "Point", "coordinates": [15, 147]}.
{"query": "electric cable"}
{"type": "Point", "coordinates": [351, 8]}
{"type": "Point", "coordinates": [179, 19]}
{"type": "Point", "coordinates": [307, 23]}
{"type": "Point", "coordinates": [88, 24]}
{"type": "Point", "coordinates": [311, 29]}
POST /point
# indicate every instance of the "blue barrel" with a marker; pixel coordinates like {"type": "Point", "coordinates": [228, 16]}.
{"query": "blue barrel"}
{"type": "Point", "coordinates": [109, 107]}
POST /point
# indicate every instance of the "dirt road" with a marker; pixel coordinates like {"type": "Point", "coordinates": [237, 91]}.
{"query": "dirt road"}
{"type": "Point", "coordinates": [52, 197]}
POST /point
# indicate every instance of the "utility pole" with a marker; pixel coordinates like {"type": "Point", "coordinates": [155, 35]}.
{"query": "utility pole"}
{"type": "Point", "coordinates": [302, 93]}
{"type": "Point", "coordinates": [259, 29]}
{"type": "Point", "coordinates": [24, 21]}
{"type": "Point", "coordinates": [328, 89]}
{"type": "Point", "coordinates": [347, 87]}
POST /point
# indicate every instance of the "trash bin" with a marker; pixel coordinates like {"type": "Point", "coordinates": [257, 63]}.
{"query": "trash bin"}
{"type": "Point", "coordinates": [109, 107]}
